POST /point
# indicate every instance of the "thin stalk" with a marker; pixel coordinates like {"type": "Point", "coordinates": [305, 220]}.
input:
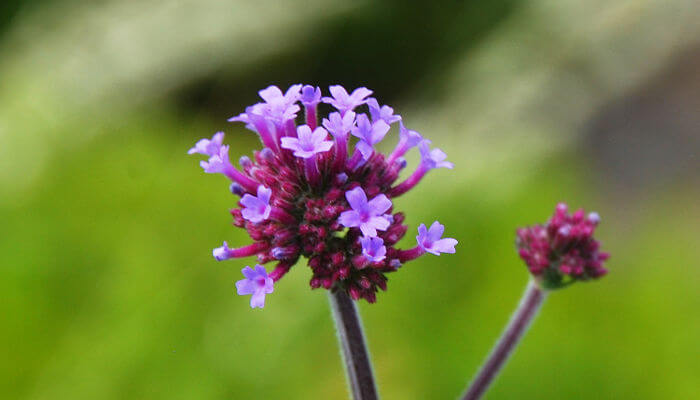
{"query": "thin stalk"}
{"type": "Point", "coordinates": [530, 304]}
{"type": "Point", "coordinates": [358, 366]}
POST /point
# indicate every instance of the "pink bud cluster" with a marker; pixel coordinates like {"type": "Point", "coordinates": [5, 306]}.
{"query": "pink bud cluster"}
{"type": "Point", "coordinates": [563, 250]}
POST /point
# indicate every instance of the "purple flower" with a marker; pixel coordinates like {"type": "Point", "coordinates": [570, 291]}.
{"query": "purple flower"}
{"type": "Point", "coordinates": [344, 102]}
{"type": "Point", "coordinates": [373, 248]}
{"type": "Point", "coordinates": [308, 144]}
{"type": "Point", "coordinates": [217, 163]}
{"type": "Point", "coordinates": [310, 96]}
{"type": "Point", "coordinates": [432, 159]}
{"type": "Point", "coordinates": [409, 137]}
{"type": "Point", "coordinates": [384, 113]}
{"type": "Point", "coordinates": [368, 216]}
{"type": "Point", "coordinates": [339, 126]}
{"type": "Point", "coordinates": [278, 106]}
{"type": "Point", "coordinates": [299, 194]}
{"type": "Point", "coordinates": [430, 239]}
{"type": "Point", "coordinates": [257, 283]}
{"type": "Point", "coordinates": [208, 147]}
{"type": "Point", "coordinates": [407, 140]}
{"type": "Point", "coordinates": [369, 134]}
{"type": "Point", "coordinates": [257, 209]}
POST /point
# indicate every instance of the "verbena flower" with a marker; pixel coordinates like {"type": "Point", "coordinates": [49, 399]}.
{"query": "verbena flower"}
{"type": "Point", "coordinates": [302, 195]}
{"type": "Point", "coordinates": [256, 283]}
{"type": "Point", "coordinates": [563, 250]}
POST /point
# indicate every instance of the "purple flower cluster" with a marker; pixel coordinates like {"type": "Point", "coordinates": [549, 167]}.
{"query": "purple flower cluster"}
{"type": "Point", "coordinates": [305, 194]}
{"type": "Point", "coordinates": [563, 250]}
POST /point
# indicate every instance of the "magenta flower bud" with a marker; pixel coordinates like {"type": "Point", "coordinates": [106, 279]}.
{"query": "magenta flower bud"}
{"type": "Point", "coordinates": [245, 162]}
{"type": "Point", "coordinates": [237, 189]}
{"type": "Point", "coordinates": [302, 196]}
{"type": "Point", "coordinates": [563, 250]}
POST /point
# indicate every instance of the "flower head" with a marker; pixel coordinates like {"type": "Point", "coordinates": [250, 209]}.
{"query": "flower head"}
{"type": "Point", "coordinates": [303, 196]}
{"type": "Point", "coordinates": [257, 283]}
{"type": "Point", "coordinates": [563, 250]}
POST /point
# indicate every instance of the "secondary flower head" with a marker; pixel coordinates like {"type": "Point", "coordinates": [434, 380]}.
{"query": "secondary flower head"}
{"type": "Point", "coordinates": [257, 283]}
{"type": "Point", "coordinates": [303, 195]}
{"type": "Point", "coordinates": [563, 250]}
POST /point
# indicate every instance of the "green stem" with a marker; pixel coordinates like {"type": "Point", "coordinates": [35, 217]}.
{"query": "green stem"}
{"type": "Point", "coordinates": [530, 304]}
{"type": "Point", "coordinates": [355, 355]}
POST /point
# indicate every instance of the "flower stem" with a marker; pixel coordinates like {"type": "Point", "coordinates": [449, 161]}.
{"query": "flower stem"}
{"type": "Point", "coordinates": [353, 346]}
{"type": "Point", "coordinates": [529, 305]}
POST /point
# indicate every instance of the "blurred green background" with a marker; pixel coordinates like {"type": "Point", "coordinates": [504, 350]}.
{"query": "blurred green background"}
{"type": "Point", "coordinates": [108, 287]}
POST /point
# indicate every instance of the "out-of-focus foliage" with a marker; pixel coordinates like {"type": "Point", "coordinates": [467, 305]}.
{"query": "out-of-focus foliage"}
{"type": "Point", "coordinates": [109, 289]}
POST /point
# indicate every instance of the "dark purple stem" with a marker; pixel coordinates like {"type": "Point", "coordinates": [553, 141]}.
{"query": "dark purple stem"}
{"type": "Point", "coordinates": [353, 346]}
{"type": "Point", "coordinates": [529, 306]}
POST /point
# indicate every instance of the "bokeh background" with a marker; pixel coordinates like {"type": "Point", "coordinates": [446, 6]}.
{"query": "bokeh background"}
{"type": "Point", "coordinates": [108, 287]}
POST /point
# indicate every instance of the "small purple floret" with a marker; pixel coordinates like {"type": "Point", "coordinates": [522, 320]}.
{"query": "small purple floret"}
{"type": "Point", "coordinates": [369, 134]}
{"type": "Point", "coordinates": [344, 102]}
{"type": "Point", "coordinates": [208, 147]}
{"type": "Point", "coordinates": [384, 113]}
{"type": "Point", "coordinates": [373, 248]}
{"type": "Point", "coordinates": [256, 283]}
{"type": "Point", "coordinates": [310, 96]}
{"type": "Point", "coordinates": [434, 158]}
{"type": "Point", "coordinates": [431, 240]}
{"type": "Point", "coordinates": [308, 143]}
{"type": "Point", "coordinates": [339, 126]}
{"type": "Point", "coordinates": [409, 137]}
{"type": "Point", "coordinates": [257, 209]}
{"type": "Point", "coordinates": [366, 215]}
{"type": "Point", "coordinates": [217, 163]}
